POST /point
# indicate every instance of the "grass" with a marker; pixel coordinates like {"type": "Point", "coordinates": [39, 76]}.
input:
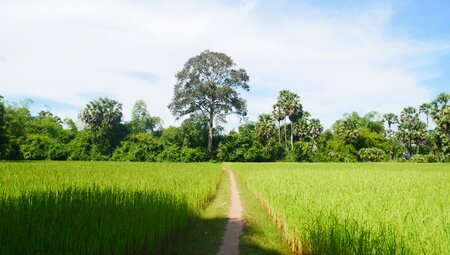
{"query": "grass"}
{"type": "Point", "coordinates": [204, 233]}
{"type": "Point", "coordinates": [99, 207]}
{"type": "Point", "coordinates": [261, 235]}
{"type": "Point", "coordinates": [356, 208]}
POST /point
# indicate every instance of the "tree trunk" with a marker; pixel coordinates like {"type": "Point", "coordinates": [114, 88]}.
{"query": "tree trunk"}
{"type": "Point", "coordinates": [210, 136]}
{"type": "Point", "coordinates": [410, 147]}
{"type": "Point", "coordinates": [211, 125]}
{"type": "Point", "coordinates": [285, 134]}
{"type": "Point", "coordinates": [279, 131]}
{"type": "Point", "coordinates": [292, 136]}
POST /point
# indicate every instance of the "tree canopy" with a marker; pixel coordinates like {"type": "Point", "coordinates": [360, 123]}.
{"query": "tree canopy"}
{"type": "Point", "coordinates": [208, 86]}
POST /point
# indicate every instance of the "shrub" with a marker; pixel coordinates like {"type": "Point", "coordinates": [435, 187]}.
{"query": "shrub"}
{"type": "Point", "coordinates": [139, 147]}
{"type": "Point", "coordinates": [371, 155]}
{"type": "Point", "coordinates": [419, 158]}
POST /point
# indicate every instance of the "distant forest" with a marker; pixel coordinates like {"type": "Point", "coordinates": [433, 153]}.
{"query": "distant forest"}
{"type": "Point", "coordinates": [283, 135]}
{"type": "Point", "coordinates": [205, 93]}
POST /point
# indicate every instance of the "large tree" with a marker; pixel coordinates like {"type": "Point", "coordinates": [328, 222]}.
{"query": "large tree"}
{"type": "Point", "coordinates": [207, 85]}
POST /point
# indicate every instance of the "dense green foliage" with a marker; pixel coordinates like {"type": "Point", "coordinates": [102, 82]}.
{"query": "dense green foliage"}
{"type": "Point", "coordinates": [350, 139]}
{"type": "Point", "coordinates": [207, 90]}
{"type": "Point", "coordinates": [384, 208]}
{"type": "Point", "coordinates": [102, 208]}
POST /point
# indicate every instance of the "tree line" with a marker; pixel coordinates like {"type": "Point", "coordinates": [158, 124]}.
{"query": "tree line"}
{"type": "Point", "coordinates": [207, 90]}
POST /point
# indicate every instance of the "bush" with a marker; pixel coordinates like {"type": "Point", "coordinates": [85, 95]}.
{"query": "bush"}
{"type": "Point", "coordinates": [419, 158]}
{"type": "Point", "coordinates": [371, 155]}
{"type": "Point", "coordinates": [402, 160]}
{"type": "Point", "coordinates": [139, 147]}
{"type": "Point", "coordinates": [192, 154]}
{"type": "Point", "coordinates": [431, 158]}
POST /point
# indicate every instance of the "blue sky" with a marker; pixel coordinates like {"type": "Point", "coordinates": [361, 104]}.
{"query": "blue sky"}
{"type": "Point", "coordinates": [339, 56]}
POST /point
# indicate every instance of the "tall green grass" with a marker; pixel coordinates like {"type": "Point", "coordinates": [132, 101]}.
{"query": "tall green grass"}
{"type": "Point", "coordinates": [356, 208]}
{"type": "Point", "coordinates": [99, 207]}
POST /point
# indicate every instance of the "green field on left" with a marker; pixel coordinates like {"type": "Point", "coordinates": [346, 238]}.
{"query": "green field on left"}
{"type": "Point", "coordinates": [100, 207]}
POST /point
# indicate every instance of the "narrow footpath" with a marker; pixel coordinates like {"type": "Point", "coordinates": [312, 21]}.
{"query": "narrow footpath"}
{"type": "Point", "coordinates": [233, 230]}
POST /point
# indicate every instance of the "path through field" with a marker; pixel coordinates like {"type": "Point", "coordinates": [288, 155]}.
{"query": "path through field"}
{"type": "Point", "coordinates": [233, 230]}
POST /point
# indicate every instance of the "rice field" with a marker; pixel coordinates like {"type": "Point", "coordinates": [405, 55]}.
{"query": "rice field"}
{"type": "Point", "coordinates": [383, 208]}
{"type": "Point", "coordinates": [99, 207]}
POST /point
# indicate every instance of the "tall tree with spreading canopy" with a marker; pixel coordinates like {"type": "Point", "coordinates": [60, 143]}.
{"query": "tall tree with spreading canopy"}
{"type": "Point", "coordinates": [207, 85]}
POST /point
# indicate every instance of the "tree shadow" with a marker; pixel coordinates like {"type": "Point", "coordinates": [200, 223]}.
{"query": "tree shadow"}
{"type": "Point", "coordinates": [249, 246]}
{"type": "Point", "coordinates": [107, 221]}
{"type": "Point", "coordinates": [89, 221]}
{"type": "Point", "coordinates": [204, 236]}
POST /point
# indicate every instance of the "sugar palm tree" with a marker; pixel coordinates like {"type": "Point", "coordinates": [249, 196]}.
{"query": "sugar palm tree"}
{"type": "Point", "coordinates": [292, 108]}
{"type": "Point", "coordinates": [265, 128]}
{"type": "Point", "coordinates": [390, 118]}
{"type": "Point", "coordinates": [315, 130]}
{"type": "Point", "coordinates": [426, 109]}
{"type": "Point", "coordinates": [279, 115]}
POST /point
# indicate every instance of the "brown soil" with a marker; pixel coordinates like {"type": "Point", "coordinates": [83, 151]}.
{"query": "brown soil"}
{"type": "Point", "coordinates": [233, 230]}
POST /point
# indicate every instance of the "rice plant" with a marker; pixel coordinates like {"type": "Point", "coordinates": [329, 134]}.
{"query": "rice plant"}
{"type": "Point", "coordinates": [383, 208]}
{"type": "Point", "coordinates": [99, 207]}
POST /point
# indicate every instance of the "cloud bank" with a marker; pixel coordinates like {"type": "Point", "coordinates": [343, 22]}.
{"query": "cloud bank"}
{"type": "Point", "coordinates": [336, 60]}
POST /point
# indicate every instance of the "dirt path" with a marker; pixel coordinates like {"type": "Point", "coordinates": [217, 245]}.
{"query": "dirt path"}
{"type": "Point", "coordinates": [233, 230]}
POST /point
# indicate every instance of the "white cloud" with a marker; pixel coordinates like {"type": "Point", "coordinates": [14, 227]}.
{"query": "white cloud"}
{"type": "Point", "coordinates": [337, 61]}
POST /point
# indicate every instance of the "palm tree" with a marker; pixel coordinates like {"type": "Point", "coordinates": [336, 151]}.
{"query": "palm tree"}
{"type": "Point", "coordinates": [302, 128]}
{"type": "Point", "coordinates": [316, 129]}
{"type": "Point", "coordinates": [279, 115]}
{"type": "Point", "coordinates": [281, 103]}
{"type": "Point", "coordinates": [265, 128]}
{"type": "Point", "coordinates": [438, 104]}
{"type": "Point", "coordinates": [411, 129]}
{"type": "Point", "coordinates": [390, 118]}
{"type": "Point", "coordinates": [347, 128]}
{"type": "Point", "coordinates": [426, 109]}
{"type": "Point", "coordinates": [292, 107]}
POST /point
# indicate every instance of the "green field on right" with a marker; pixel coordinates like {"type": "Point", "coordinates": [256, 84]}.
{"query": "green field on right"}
{"type": "Point", "coordinates": [367, 208]}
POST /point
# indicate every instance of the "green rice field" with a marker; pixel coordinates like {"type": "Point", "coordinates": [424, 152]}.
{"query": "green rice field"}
{"type": "Point", "coordinates": [328, 208]}
{"type": "Point", "coordinates": [139, 208]}
{"type": "Point", "coordinates": [99, 207]}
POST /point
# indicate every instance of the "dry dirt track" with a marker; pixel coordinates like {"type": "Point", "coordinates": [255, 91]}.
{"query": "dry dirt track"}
{"type": "Point", "coordinates": [233, 230]}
